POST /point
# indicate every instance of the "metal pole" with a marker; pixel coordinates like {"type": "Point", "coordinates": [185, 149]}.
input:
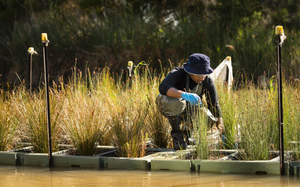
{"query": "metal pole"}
{"type": "Point", "coordinates": [130, 67]}
{"type": "Point", "coordinates": [30, 73]}
{"type": "Point", "coordinates": [45, 44]}
{"type": "Point", "coordinates": [30, 52]}
{"type": "Point", "coordinates": [279, 32]}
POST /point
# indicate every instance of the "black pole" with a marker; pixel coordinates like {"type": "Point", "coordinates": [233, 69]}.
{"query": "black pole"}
{"type": "Point", "coordinates": [30, 73]}
{"type": "Point", "coordinates": [30, 52]}
{"type": "Point", "coordinates": [280, 110]}
{"type": "Point", "coordinates": [45, 44]}
{"type": "Point", "coordinates": [130, 67]}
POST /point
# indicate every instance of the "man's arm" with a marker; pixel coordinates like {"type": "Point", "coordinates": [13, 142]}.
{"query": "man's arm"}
{"type": "Point", "coordinates": [173, 92]}
{"type": "Point", "coordinates": [175, 77]}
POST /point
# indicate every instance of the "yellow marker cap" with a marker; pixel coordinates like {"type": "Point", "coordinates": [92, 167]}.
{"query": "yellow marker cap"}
{"type": "Point", "coordinates": [130, 63]}
{"type": "Point", "coordinates": [278, 30]}
{"type": "Point", "coordinates": [44, 37]}
{"type": "Point", "coordinates": [30, 49]}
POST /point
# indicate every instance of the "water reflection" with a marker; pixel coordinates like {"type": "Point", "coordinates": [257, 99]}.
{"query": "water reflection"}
{"type": "Point", "coordinates": [41, 176]}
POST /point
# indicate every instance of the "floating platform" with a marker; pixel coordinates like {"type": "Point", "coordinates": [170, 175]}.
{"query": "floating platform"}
{"type": "Point", "coordinates": [160, 159]}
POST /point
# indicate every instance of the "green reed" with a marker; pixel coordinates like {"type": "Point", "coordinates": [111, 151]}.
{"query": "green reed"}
{"type": "Point", "coordinates": [254, 112]}
{"type": "Point", "coordinates": [291, 125]}
{"type": "Point", "coordinates": [228, 102]}
{"type": "Point", "coordinates": [255, 119]}
{"type": "Point", "coordinates": [200, 129]}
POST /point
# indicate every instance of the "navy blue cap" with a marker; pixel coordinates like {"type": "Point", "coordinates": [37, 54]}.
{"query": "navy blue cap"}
{"type": "Point", "coordinates": [198, 64]}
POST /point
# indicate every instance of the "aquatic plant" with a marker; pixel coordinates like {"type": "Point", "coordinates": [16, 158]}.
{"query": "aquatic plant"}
{"type": "Point", "coordinates": [8, 126]}
{"type": "Point", "coordinates": [291, 108]}
{"type": "Point", "coordinates": [255, 121]}
{"type": "Point", "coordinates": [158, 127]}
{"type": "Point", "coordinates": [84, 115]}
{"type": "Point", "coordinates": [83, 122]}
{"type": "Point", "coordinates": [200, 128]}
{"type": "Point", "coordinates": [228, 102]}
{"type": "Point", "coordinates": [32, 119]}
{"type": "Point", "coordinates": [128, 118]}
{"type": "Point", "coordinates": [105, 108]}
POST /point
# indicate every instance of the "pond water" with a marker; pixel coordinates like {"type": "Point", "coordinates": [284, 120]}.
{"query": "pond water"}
{"type": "Point", "coordinates": [64, 177]}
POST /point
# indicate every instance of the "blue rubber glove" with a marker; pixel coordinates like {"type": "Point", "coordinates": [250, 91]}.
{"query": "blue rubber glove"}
{"type": "Point", "coordinates": [193, 98]}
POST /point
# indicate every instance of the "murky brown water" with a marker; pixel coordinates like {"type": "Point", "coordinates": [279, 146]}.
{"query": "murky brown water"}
{"type": "Point", "coordinates": [64, 177]}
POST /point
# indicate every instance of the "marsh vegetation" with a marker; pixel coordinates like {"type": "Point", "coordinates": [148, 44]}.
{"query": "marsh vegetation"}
{"type": "Point", "coordinates": [102, 108]}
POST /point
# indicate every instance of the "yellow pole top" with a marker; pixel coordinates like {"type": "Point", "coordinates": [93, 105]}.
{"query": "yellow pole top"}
{"type": "Point", "coordinates": [278, 30]}
{"type": "Point", "coordinates": [30, 49]}
{"type": "Point", "coordinates": [130, 63]}
{"type": "Point", "coordinates": [44, 37]}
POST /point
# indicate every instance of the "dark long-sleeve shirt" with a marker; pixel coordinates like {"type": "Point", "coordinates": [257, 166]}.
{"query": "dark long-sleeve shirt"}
{"type": "Point", "coordinates": [177, 79]}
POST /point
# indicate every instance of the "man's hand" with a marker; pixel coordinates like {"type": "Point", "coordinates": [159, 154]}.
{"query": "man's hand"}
{"type": "Point", "coordinates": [193, 98]}
{"type": "Point", "coordinates": [220, 126]}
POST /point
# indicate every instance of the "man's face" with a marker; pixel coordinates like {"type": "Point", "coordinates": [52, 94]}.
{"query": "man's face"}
{"type": "Point", "coordinates": [197, 78]}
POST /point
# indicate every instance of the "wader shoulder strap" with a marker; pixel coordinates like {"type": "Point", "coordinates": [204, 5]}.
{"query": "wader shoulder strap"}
{"type": "Point", "coordinates": [197, 89]}
{"type": "Point", "coordinates": [187, 85]}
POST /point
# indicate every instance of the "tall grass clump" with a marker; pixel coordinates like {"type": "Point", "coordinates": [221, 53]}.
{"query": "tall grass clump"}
{"type": "Point", "coordinates": [145, 83]}
{"type": "Point", "coordinates": [128, 115]}
{"type": "Point", "coordinates": [158, 129]}
{"type": "Point", "coordinates": [228, 102]}
{"type": "Point", "coordinates": [256, 118]}
{"type": "Point", "coordinates": [84, 115]}
{"type": "Point", "coordinates": [250, 116]}
{"type": "Point", "coordinates": [157, 126]}
{"type": "Point", "coordinates": [128, 118]}
{"type": "Point", "coordinates": [131, 114]}
{"type": "Point", "coordinates": [8, 126]}
{"type": "Point", "coordinates": [200, 122]}
{"type": "Point", "coordinates": [291, 117]}
{"type": "Point", "coordinates": [32, 120]}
